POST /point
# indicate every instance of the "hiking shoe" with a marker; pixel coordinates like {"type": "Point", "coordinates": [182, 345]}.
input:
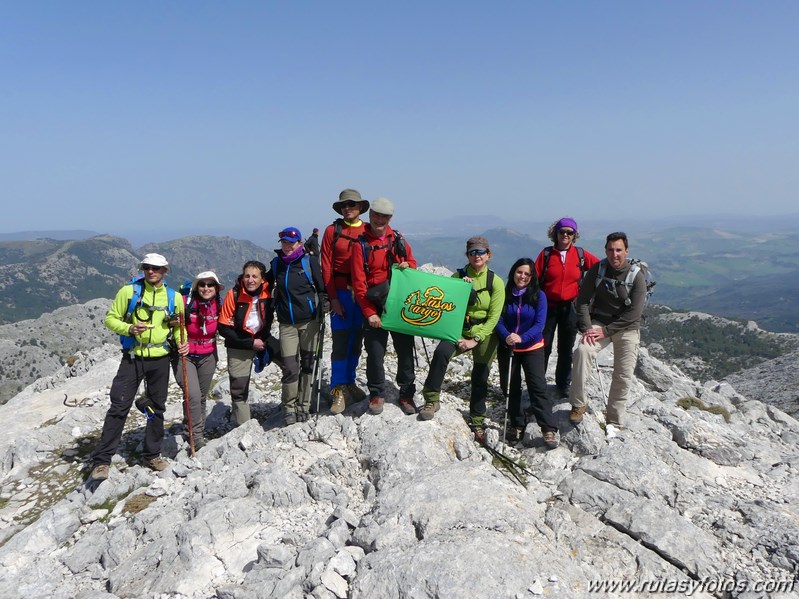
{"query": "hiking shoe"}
{"type": "Point", "coordinates": [100, 472]}
{"type": "Point", "coordinates": [356, 393]}
{"type": "Point", "coordinates": [429, 410]}
{"type": "Point", "coordinates": [562, 392]}
{"type": "Point", "coordinates": [157, 463]}
{"type": "Point", "coordinates": [339, 399]}
{"type": "Point", "coordinates": [550, 439]}
{"type": "Point", "coordinates": [407, 406]}
{"type": "Point", "coordinates": [479, 433]}
{"type": "Point", "coordinates": [290, 418]}
{"type": "Point", "coordinates": [376, 405]}
{"type": "Point", "coordinates": [302, 416]}
{"type": "Point", "coordinates": [576, 414]}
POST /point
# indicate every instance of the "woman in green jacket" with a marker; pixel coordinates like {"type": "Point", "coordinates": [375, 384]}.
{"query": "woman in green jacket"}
{"type": "Point", "coordinates": [485, 307]}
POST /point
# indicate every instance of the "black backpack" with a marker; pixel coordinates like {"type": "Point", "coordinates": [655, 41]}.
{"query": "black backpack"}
{"type": "Point", "coordinates": [489, 285]}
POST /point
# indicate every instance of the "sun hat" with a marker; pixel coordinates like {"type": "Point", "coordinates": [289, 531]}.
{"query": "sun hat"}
{"type": "Point", "coordinates": [351, 195]}
{"type": "Point", "coordinates": [383, 206]}
{"type": "Point", "coordinates": [154, 260]}
{"type": "Point", "coordinates": [205, 275]}
{"type": "Point", "coordinates": [290, 234]}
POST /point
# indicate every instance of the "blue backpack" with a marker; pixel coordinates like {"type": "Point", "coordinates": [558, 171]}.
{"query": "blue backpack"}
{"type": "Point", "coordinates": [135, 302]}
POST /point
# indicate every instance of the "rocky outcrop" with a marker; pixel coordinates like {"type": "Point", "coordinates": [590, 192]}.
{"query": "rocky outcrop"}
{"type": "Point", "coordinates": [774, 382]}
{"type": "Point", "coordinates": [697, 493]}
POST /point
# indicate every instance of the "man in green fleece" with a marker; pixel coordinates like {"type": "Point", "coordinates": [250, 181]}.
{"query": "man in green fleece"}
{"type": "Point", "coordinates": [145, 334]}
{"type": "Point", "coordinates": [482, 314]}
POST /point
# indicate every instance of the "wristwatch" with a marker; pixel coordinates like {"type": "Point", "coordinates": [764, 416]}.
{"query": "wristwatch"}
{"type": "Point", "coordinates": [477, 338]}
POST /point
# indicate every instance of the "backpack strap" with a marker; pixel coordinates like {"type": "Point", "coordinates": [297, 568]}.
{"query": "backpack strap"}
{"type": "Point", "coordinates": [127, 341]}
{"type": "Point", "coordinates": [548, 253]}
{"type": "Point", "coordinates": [400, 245]}
{"type": "Point", "coordinates": [338, 226]}
{"type": "Point", "coordinates": [627, 283]}
{"type": "Point", "coordinates": [306, 269]}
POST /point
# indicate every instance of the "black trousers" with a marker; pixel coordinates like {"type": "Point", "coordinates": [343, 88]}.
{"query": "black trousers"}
{"type": "Point", "coordinates": [155, 373]}
{"type": "Point", "coordinates": [375, 342]}
{"type": "Point", "coordinates": [532, 364]}
{"type": "Point", "coordinates": [563, 317]}
{"type": "Point", "coordinates": [480, 371]}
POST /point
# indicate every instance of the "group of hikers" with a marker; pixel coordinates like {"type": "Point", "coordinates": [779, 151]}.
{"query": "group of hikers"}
{"type": "Point", "coordinates": [566, 291]}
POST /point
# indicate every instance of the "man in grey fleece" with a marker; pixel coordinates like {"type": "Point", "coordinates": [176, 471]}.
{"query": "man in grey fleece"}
{"type": "Point", "coordinates": [609, 310]}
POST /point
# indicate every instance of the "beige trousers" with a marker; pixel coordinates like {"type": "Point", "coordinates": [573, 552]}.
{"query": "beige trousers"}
{"type": "Point", "coordinates": [625, 355]}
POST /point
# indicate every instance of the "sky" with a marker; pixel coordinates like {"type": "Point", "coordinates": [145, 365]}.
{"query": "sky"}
{"type": "Point", "coordinates": [205, 116]}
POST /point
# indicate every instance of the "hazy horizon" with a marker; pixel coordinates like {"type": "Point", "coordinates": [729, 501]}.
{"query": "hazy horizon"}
{"type": "Point", "coordinates": [153, 117]}
{"type": "Point", "coordinates": [471, 224]}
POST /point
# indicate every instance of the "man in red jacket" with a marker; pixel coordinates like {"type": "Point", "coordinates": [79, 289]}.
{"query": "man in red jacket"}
{"type": "Point", "coordinates": [380, 248]}
{"type": "Point", "coordinates": [346, 320]}
{"type": "Point", "coordinates": [560, 269]}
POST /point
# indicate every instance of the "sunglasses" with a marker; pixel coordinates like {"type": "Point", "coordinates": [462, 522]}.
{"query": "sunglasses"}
{"type": "Point", "coordinates": [290, 234]}
{"type": "Point", "coordinates": [477, 252]}
{"type": "Point", "coordinates": [568, 232]}
{"type": "Point", "coordinates": [206, 284]}
{"type": "Point", "coordinates": [151, 267]}
{"type": "Point", "coordinates": [348, 204]}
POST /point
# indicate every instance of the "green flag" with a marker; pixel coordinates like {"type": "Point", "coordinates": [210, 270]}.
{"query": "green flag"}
{"type": "Point", "coordinates": [426, 305]}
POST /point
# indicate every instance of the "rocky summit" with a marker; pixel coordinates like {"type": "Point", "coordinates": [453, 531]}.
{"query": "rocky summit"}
{"type": "Point", "coordinates": [697, 496]}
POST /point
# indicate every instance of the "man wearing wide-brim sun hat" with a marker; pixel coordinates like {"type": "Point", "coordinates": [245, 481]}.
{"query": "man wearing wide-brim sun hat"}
{"type": "Point", "coordinates": [346, 320]}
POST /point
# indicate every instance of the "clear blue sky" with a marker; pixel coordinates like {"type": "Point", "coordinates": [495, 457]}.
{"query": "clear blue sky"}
{"type": "Point", "coordinates": [128, 115]}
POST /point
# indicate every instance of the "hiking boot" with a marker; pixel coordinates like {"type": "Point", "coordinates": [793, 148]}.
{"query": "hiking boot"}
{"type": "Point", "coordinates": [576, 414]}
{"type": "Point", "coordinates": [290, 418]}
{"type": "Point", "coordinates": [376, 405]}
{"type": "Point", "coordinates": [157, 463]}
{"type": "Point", "coordinates": [302, 416]}
{"type": "Point", "coordinates": [100, 472]}
{"type": "Point", "coordinates": [550, 439]}
{"type": "Point", "coordinates": [479, 433]}
{"type": "Point", "coordinates": [355, 392]}
{"type": "Point", "coordinates": [339, 399]}
{"type": "Point", "coordinates": [562, 392]}
{"type": "Point", "coordinates": [407, 405]}
{"type": "Point", "coordinates": [429, 410]}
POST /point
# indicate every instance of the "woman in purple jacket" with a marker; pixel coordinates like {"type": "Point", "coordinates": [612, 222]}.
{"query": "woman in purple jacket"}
{"type": "Point", "coordinates": [520, 330]}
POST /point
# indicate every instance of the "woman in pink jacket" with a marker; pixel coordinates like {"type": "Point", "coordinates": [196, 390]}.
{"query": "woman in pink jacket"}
{"type": "Point", "coordinates": [202, 313]}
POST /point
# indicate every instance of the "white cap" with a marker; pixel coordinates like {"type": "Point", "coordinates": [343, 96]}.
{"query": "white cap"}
{"type": "Point", "coordinates": [154, 260]}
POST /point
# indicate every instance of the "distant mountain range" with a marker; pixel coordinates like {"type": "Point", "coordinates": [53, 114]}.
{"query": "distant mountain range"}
{"type": "Point", "coordinates": [746, 276]}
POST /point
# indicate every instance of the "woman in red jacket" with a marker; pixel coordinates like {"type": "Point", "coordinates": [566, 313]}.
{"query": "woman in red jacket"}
{"type": "Point", "coordinates": [560, 268]}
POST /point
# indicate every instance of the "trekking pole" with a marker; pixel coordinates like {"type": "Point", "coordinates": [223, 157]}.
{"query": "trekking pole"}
{"type": "Point", "coordinates": [317, 376]}
{"type": "Point", "coordinates": [426, 355]}
{"type": "Point", "coordinates": [186, 404]}
{"type": "Point", "coordinates": [599, 376]}
{"type": "Point", "coordinates": [506, 392]}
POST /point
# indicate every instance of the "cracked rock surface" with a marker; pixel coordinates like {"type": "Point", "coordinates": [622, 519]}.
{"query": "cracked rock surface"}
{"type": "Point", "coordinates": [387, 506]}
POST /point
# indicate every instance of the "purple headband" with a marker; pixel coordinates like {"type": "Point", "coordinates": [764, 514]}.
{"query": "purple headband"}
{"type": "Point", "coordinates": [566, 222]}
